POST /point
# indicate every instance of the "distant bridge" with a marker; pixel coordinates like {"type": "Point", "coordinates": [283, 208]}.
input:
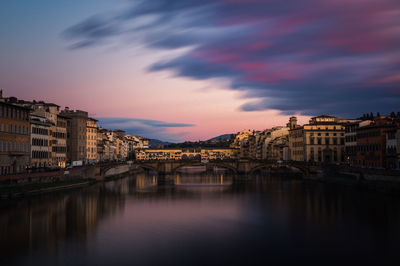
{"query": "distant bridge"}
{"type": "Point", "coordinates": [168, 167]}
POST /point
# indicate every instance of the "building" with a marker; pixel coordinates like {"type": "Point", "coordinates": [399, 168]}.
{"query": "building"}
{"type": "Point", "coordinates": [276, 144]}
{"type": "Point", "coordinates": [243, 141]}
{"type": "Point", "coordinates": [106, 145]}
{"type": "Point", "coordinates": [392, 153]}
{"type": "Point", "coordinates": [49, 111]}
{"type": "Point", "coordinates": [101, 139]}
{"type": "Point", "coordinates": [296, 140]}
{"type": "Point", "coordinates": [40, 144]}
{"type": "Point", "coordinates": [371, 142]}
{"type": "Point", "coordinates": [218, 153]}
{"type": "Point", "coordinates": [57, 130]}
{"type": "Point", "coordinates": [59, 145]}
{"type": "Point", "coordinates": [278, 149]}
{"type": "Point", "coordinates": [398, 147]}
{"type": "Point", "coordinates": [14, 138]}
{"type": "Point", "coordinates": [350, 136]}
{"type": "Point", "coordinates": [91, 140]}
{"type": "Point", "coordinates": [322, 140]}
{"type": "Point", "coordinates": [191, 153]}
{"type": "Point", "coordinates": [187, 154]}
{"type": "Point", "coordinates": [122, 148]}
{"type": "Point", "coordinates": [76, 134]}
{"type": "Point", "coordinates": [158, 154]}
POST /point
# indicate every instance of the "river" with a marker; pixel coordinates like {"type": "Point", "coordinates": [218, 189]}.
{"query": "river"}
{"type": "Point", "coordinates": [202, 218]}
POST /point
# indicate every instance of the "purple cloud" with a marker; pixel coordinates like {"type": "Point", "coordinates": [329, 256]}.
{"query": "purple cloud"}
{"type": "Point", "coordinates": [313, 56]}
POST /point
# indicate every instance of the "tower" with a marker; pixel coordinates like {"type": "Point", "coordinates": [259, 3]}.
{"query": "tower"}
{"type": "Point", "coordinates": [292, 122]}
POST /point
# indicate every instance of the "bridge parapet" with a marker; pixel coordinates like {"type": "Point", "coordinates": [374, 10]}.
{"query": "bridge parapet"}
{"type": "Point", "coordinates": [240, 167]}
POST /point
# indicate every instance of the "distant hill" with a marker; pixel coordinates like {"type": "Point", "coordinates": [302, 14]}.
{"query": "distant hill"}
{"type": "Point", "coordinates": [225, 137]}
{"type": "Point", "coordinates": [219, 141]}
{"type": "Point", "coordinates": [153, 143]}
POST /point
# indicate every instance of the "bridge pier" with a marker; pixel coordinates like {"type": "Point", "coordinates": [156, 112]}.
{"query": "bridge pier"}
{"type": "Point", "coordinates": [165, 179]}
{"type": "Point", "coordinates": [209, 168]}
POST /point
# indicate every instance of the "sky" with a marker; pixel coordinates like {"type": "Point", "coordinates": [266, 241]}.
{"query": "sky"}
{"type": "Point", "coordinates": [191, 70]}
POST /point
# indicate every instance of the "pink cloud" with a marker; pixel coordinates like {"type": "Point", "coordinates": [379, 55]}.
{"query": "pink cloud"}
{"type": "Point", "coordinates": [252, 66]}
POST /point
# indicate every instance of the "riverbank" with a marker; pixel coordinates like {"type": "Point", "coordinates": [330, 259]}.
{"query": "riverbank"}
{"type": "Point", "coordinates": [16, 191]}
{"type": "Point", "coordinates": [384, 185]}
{"type": "Point", "coordinates": [25, 189]}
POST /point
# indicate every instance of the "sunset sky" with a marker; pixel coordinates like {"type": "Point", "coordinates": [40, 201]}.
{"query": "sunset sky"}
{"type": "Point", "coordinates": [188, 69]}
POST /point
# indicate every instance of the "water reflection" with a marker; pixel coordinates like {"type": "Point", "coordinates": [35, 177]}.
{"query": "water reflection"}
{"type": "Point", "coordinates": [199, 218]}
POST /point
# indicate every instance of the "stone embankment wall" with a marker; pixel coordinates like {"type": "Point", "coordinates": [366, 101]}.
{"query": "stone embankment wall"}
{"type": "Point", "coordinates": [371, 174]}
{"type": "Point", "coordinates": [117, 170]}
{"type": "Point", "coordinates": [37, 178]}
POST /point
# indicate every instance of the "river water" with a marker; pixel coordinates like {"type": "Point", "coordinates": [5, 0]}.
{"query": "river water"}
{"type": "Point", "coordinates": [200, 218]}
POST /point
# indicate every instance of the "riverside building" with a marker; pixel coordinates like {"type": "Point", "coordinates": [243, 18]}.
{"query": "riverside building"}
{"type": "Point", "coordinates": [371, 142]}
{"type": "Point", "coordinates": [322, 140]}
{"type": "Point", "coordinates": [40, 146]}
{"type": "Point", "coordinates": [14, 138]}
{"type": "Point", "coordinates": [91, 140]}
{"type": "Point", "coordinates": [76, 131]}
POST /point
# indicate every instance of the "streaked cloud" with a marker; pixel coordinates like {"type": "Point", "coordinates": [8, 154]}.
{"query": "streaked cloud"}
{"type": "Point", "coordinates": [148, 128]}
{"type": "Point", "coordinates": [310, 57]}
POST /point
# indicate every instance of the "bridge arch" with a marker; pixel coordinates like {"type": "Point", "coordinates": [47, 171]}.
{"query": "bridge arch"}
{"type": "Point", "coordinates": [187, 164]}
{"type": "Point", "coordinates": [260, 167]}
{"type": "Point", "coordinates": [225, 165]}
{"type": "Point", "coordinates": [145, 166]}
{"type": "Point", "coordinates": [198, 163]}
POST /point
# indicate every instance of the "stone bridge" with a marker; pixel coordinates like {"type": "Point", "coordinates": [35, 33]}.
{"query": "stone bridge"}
{"type": "Point", "coordinates": [239, 167]}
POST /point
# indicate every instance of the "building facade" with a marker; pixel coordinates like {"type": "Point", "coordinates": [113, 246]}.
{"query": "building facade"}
{"type": "Point", "coordinates": [59, 147]}
{"type": "Point", "coordinates": [392, 158]}
{"type": "Point", "coordinates": [76, 134]}
{"type": "Point", "coordinates": [40, 144]}
{"type": "Point", "coordinates": [371, 142]}
{"type": "Point", "coordinates": [14, 138]}
{"type": "Point", "coordinates": [350, 137]}
{"type": "Point", "coordinates": [322, 140]}
{"type": "Point", "coordinates": [276, 144]}
{"type": "Point", "coordinates": [91, 140]}
{"type": "Point", "coordinates": [218, 153]}
{"type": "Point", "coordinates": [187, 154]}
